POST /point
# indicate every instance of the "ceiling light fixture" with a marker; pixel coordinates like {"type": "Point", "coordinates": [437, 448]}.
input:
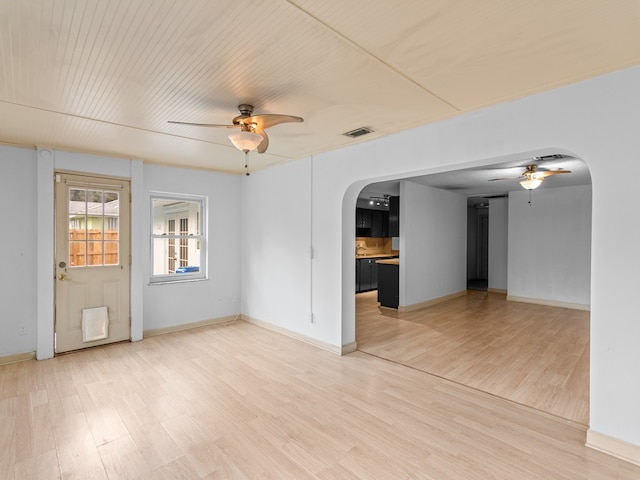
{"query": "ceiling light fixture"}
{"type": "Point", "coordinates": [377, 200]}
{"type": "Point", "coordinates": [531, 183]}
{"type": "Point", "coordinates": [245, 140]}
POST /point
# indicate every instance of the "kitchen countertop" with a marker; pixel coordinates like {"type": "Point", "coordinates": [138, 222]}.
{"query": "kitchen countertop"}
{"type": "Point", "coordinates": [391, 261]}
{"type": "Point", "coordinates": [377, 255]}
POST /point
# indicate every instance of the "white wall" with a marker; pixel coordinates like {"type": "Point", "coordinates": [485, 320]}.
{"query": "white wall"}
{"type": "Point", "coordinates": [550, 245]}
{"type": "Point", "coordinates": [276, 244]}
{"type": "Point", "coordinates": [27, 294]}
{"type": "Point", "coordinates": [498, 242]}
{"type": "Point", "coordinates": [433, 243]}
{"type": "Point", "coordinates": [168, 305]}
{"type": "Point", "coordinates": [594, 120]}
{"type": "Point", "coordinates": [18, 246]}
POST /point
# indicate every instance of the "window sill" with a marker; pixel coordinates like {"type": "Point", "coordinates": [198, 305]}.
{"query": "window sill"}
{"type": "Point", "coordinates": [169, 281]}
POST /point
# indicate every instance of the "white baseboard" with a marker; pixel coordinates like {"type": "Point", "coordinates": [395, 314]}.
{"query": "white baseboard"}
{"type": "Point", "coordinates": [298, 336]}
{"type": "Point", "coordinates": [188, 326]}
{"type": "Point", "coordinates": [497, 290]}
{"type": "Point", "coordinates": [428, 303]}
{"type": "Point", "coordinates": [550, 303]}
{"type": "Point", "coordinates": [612, 446]}
{"type": "Point", "coordinates": [18, 357]}
{"type": "Point", "coordinates": [349, 348]}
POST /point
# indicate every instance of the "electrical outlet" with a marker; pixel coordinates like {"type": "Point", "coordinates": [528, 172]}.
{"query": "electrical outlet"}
{"type": "Point", "coordinates": [22, 329]}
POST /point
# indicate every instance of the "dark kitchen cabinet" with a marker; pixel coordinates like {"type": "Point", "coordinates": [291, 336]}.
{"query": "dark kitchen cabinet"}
{"type": "Point", "coordinates": [364, 218]}
{"type": "Point", "coordinates": [372, 223]}
{"type": "Point", "coordinates": [366, 274]}
{"type": "Point", "coordinates": [388, 285]}
{"type": "Point", "coordinates": [379, 223]}
{"type": "Point", "coordinates": [394, 216]}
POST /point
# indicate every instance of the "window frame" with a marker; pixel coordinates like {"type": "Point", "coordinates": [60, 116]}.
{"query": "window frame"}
{"type": "Point", "coordinates": [200, 238]}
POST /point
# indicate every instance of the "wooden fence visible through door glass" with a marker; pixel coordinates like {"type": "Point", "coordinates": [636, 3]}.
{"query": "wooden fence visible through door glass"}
{"type": "Point", "coordinates": [89, 247]}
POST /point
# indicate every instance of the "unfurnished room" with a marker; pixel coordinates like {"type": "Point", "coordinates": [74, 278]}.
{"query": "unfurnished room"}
{"type": "Point", "coordinates": [319, 240]}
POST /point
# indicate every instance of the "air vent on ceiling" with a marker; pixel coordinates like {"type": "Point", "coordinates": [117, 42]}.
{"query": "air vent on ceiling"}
{"type": "Point", "coordinates": [501, 195]}
{"type": "Point", "coordinates": [546, 158]}
{"type": "Point", "coordinates": [358, 132]}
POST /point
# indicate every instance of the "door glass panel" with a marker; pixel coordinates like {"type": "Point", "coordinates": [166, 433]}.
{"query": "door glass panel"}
{"type": "Point", "coordinates": [93, 227]}
{"type": "Point", "coordinates": [77, 254]}
{"type": "Point", "coordinates": [94, 255]}
{"type": "Point", "coordinates": [111, 253]}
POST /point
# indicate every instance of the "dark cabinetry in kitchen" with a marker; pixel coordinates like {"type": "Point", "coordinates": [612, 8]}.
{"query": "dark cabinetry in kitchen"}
{"type": "Point", "coordinates": [388, 285]}
{"type": "Point", "coordinates": [394, 216]}
{"type": "Point", "coordinates": [363, 218]}
{"type": "Point", "coordinates": [366, 274]}
{"type": "Point", "coordinates": [372, 223]}
{"type": "Point", "coordinates": [379, 223]}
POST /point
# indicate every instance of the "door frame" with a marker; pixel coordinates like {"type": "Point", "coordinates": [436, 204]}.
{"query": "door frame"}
{"type": "Point", "coordinates": [47, 161]}
{"type": "Point", "coordinates": [63, 181]}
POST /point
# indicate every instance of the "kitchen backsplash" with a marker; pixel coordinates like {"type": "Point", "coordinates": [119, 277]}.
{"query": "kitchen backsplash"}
{"type": "Point", "coordinates": [374, 246]}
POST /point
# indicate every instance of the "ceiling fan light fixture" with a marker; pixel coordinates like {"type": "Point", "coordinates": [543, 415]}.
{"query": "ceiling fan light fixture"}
{"type": "Point", "coordinates": [531, 183]}
{"type": "Point", "coordinates": [245, 141]}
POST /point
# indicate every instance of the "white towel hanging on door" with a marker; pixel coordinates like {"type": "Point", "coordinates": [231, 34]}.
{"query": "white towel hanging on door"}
{"type": "Point", "coordinates": [95, 324]}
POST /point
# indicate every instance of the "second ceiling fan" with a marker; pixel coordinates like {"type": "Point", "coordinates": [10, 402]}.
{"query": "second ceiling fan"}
{"type": "Point", "coordinates": [532, 177]}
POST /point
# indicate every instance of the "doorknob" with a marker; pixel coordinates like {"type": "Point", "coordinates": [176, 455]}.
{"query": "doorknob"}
{"type": "Point", "coordinates": [62, 276]}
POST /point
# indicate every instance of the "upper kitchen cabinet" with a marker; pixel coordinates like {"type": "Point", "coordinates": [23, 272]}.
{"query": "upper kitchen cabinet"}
{"type": "Point", "coordinates": [394, 216]}
{"type": "Point", "coordinates": [364, 218]}
{"type": "Point", "coordinates": [372, 223]}
{"type": "Point", "coordinates": [379, 223]}
{"type": "Point", "coordinates": [363, 222]}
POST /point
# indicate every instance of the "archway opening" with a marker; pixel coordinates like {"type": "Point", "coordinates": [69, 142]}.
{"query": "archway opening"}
{"type": "Point", "coordinates": [526, 336]}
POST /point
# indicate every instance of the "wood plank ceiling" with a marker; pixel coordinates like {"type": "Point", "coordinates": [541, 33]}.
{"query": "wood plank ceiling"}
{"type": "Point", "coordinates": [105, 76]}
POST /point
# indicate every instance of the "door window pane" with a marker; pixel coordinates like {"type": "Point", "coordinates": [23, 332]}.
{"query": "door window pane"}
{"type": "Point", "coordinates": [93, 227]}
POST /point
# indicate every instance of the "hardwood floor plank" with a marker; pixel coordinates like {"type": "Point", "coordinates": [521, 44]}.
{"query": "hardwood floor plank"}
{"type": "Point", "coordinates": [243, 402]}
{"type": "Point", "coordinates": [122, 459]}
{"type": "Point", "coordinates": [532, 354]}
{"type": "Point", "coordinates": [43, 466]}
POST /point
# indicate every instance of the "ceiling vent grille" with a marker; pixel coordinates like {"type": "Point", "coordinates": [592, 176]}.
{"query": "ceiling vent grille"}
{"type": "Point", "coordinates": [358, 132]}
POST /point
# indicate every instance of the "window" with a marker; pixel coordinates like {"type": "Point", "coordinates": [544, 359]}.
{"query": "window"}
{"type": "Point", "coordinates": [94, 233]}
{"type": "Point", "coordinates": [178, 239]}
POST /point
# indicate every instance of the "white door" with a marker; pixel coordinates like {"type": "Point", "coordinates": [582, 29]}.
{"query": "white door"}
{"type": "Point", "coordinates": [177, 249]}
{"type": "Point", "coordinates": [92, 261]}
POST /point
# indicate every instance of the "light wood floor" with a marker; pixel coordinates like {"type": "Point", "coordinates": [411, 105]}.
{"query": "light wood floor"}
{"type": "Point", "coordinates": [243, 402]}
{"type": "Point", "coordinates": [532, 354]}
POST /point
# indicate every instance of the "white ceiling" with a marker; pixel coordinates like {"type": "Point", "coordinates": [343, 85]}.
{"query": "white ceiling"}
{"type": "Point", "coordinates": [105, 76]}
{"type": "Point", "coordinates": [481, 183]}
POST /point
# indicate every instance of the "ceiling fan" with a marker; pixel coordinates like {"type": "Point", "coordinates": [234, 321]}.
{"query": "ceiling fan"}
{"type": "Point", "coordinates": [532, 178]}
{"type": "Point", "coordinates": [252, 133]}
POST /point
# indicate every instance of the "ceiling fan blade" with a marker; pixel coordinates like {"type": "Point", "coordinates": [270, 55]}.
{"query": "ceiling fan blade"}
{"type": "Point", "coordinates": [269, 120]}
{"type": "Point", "coordinates": [262, 147]}
{"type": "Point", "coordinates": [548, 173]}
{"type": "Point", "coordinates": [215, 125]}
{"type": "Point", "coordinates": [505, 178]}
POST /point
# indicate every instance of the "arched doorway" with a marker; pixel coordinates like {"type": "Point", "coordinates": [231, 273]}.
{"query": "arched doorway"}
{"type": "Point", "coordinates": [474, 339]}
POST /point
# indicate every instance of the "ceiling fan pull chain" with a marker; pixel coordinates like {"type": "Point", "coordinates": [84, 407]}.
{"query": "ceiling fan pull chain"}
{"type": "Point", "coordinates": [246, 162]}
{"type": "Point", "coordinates": [529, 196]}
